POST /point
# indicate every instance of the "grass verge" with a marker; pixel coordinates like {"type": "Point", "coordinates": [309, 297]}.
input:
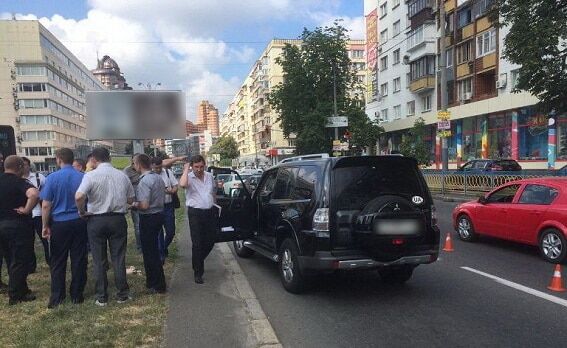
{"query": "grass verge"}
{"type": "Point", "coordinates": [138, 323]}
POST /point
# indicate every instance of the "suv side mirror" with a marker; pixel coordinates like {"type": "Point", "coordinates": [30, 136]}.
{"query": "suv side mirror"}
{"type": "Point", "coordinates": [482, 200]}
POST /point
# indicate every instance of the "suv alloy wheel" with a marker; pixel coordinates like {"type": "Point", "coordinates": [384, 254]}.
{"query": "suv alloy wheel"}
{"type": "Point", "coordinates": [290, 274]}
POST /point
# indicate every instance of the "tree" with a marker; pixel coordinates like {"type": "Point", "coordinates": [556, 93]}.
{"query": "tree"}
{"type": "Point", "coordinates": [413, 144]}
{"type": "Point", "coordinates": [538, 42]}
{"type": "Point", "coordinates": [226, 146]}
{"type": "Point", "coordinates": [304, 100]}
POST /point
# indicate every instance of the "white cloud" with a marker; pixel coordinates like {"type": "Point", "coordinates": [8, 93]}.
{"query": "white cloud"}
{"type": "Point", "coordinates": [355, 25]}
{"type": "Point", "coordinates": [177, 42]}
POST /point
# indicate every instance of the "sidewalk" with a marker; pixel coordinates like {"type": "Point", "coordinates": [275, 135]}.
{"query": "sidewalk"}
{"type": "Point", "coordinates": [454, 197]}
{"type": "Point", "coordinates": [223, 312]}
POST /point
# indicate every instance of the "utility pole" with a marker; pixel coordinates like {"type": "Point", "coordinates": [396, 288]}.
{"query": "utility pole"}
{"type": "Point", "coordinates": [443, 78]}
{"type": "Point", "coordinates": [335, 99]}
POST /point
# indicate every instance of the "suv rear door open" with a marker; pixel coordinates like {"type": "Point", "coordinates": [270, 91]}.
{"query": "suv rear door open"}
{"type": "Point", "coordinates": [235, 219]}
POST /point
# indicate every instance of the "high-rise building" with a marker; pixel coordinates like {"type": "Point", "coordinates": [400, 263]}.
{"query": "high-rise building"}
{"type": "Point", "coordinates": [208, 117]}
{"type": "Point", "coordinates": [488, 120]}
{"type": "Point", "coordinates": [42, 92]}
{"type": "Point", "coordinates": [250, 120]}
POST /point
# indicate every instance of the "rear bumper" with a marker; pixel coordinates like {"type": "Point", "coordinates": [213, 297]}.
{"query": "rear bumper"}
{"type": "Point", "coordinates": [325, 261]}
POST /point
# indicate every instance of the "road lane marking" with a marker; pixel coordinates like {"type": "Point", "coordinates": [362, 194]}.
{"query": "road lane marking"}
{"type": "Point", "coordinates": [520, 287]}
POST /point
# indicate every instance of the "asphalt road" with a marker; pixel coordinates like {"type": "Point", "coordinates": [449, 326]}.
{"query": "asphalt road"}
{"type": "Point", "coordinates": [442, 305]}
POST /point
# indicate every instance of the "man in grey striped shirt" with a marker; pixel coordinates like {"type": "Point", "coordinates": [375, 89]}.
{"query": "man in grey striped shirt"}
{"type": "Point", "coordinates": [109, 192]}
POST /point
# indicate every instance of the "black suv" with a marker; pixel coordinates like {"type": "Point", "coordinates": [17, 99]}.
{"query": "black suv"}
{"type": "Point", "coordinates": [322, 215]}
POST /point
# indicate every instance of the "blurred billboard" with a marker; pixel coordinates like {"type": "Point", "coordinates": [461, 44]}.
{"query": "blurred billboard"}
{"type": "Point", "coordinates": [113, 115]}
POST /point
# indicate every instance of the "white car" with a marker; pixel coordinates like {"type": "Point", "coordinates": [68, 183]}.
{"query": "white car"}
{"type": "Point", "coordinates": [228, 182]}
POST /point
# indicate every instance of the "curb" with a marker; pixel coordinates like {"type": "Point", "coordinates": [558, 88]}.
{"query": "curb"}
{"type": "Point", "coordinates": [261, 326]}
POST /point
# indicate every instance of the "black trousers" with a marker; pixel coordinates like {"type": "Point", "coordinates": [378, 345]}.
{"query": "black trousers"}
{"type": "Point", "coordinates": [150, 227]}
{"type": "Point", "coordinates": [114, 231]}
{"type": "Point", "coordinates": [37, 229]}
{"type": "Point", "coordinates": [68, 238]}
{"type": "Point", "coordinates": [203, 225]}
{"type": "Point", "coordinates": [15, 240]}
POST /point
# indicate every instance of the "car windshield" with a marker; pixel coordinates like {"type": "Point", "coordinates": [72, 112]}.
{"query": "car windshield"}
{"type": "Point", "coordinates": [223, 177]}
{"type": "Point", "coordinates": [355, 186]}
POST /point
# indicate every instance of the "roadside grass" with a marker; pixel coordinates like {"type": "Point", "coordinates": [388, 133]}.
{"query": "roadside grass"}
{"type": "Point", "coordinates": [120, 162]}
{"type": "Point", "coordinates": [137, 323]}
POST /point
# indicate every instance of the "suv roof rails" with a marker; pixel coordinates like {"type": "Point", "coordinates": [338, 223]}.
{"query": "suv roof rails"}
{"type": "Point", "coordinates": [314, 156]}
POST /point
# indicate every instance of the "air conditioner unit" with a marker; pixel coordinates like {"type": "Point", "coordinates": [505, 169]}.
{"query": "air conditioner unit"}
{"type": "Point", "coordinates": [468, 96]}
{"type": "Point", "coordinates": [500, 83]}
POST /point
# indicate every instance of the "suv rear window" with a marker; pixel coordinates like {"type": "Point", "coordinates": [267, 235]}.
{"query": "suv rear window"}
{"type": "Point", "coordinates": [354, 186]}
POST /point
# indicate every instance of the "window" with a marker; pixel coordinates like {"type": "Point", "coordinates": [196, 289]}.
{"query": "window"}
{"type": "Point", "coordinates": [464, 52]}
{"type": "Point", "coordinates": [383, 9]}
{"type": "Point", "coordinates": [383, 63]}
{"type": "Point", "coordinates": [284, 183]}
{"type": "Point", "coordinates": [464, 17]}
{"type": "Point", "coordinates": [425, 66]}
{"type": "Point", "coordinates": [39, 151]}
{"type": "Point", "coordinates": [306, 182]}
{"type": "Point", "coordinates": [426, 103]}
{"type": "Point", "coordinates": [395, 3]}
{"type": "Point", "coordinates": [514, 76]}
{"type": "Point", "coordinates": [464, 89]}
{"type": "Point", "coordinates": [31, 70]}
{"type": "Point", "coordinates": [449, 57]}
{"type": "Point", "coordinates": [32, 103]}
{"type": "Point", "coordinates": [410, 107]}
{"type": "Point", "coordinates": [415, 37]}
{"type": "Point", "coordinates": [397, 84]}
{"type": "Point", "coordinates": [486, 43]}
{"type": "Point", "coordinates": [31, 87]}
{"type": "Point", "coordinates": [38, 135]}
{"type": "Point", "coordinates": [484, 6]}
{"type": "Point", "coordinates": [383, 36]}
{"type": "Point", "coordinates": [504, 195]}
{"type": "Point", "coordinates": [384, 89]}
{"type": "Point", "coordinates": [417, 6]}
{"type": "Point", "coordinates": [384, 114]}
{"type": "Point", "coordinates": [450, 25]}
{"type": "Point", "coordinates": [396, 28]}
{"type": "Point", "coordinates": [357, 53]}
{"type": "Point", "coordinates": [396, 56]}
{"type": "Point", "coordinates": [397, 112]}
{"type": "Point", "coordinates": [408, 80]}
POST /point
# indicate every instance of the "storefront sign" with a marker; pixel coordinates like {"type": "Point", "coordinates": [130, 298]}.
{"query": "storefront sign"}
{"type": "Point", "coordinates": [444, 125]}
{"type": "Point", "coordinates": [444, 115]}
{"type": "Point", "coordinates": [337, 121]}
{"type": "Point", "coordinates": [444, 133]}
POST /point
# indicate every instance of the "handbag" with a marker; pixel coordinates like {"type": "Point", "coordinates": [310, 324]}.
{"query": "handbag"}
{"type": "Point", "coordinates": [174, 197]}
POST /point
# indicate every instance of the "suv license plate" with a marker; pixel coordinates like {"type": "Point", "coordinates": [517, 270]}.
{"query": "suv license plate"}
{"type": "Point", "coordinates": [396, 227]}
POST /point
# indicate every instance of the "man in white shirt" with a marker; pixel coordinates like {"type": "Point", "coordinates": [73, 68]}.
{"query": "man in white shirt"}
{"type": "Point", "coordinates": [200, 196]}
{"type": "Point", "coordinates": [109, 191]}
{"type": "Point", "coordinates": [168, 209]}
{"type": "Point", "coordinates": [38, 181]}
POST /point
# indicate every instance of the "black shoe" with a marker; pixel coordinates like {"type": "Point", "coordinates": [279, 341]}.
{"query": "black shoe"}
{"type": "Point", "coordinates": [199, 279]}
{"type": "Point", "coordinates": [78, 300]}
{"type": "Point", "coordinates": [25, 298]}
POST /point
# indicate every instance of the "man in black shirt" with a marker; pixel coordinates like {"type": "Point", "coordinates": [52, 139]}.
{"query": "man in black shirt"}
{"type": "Point", "coordinates": [18, 199]}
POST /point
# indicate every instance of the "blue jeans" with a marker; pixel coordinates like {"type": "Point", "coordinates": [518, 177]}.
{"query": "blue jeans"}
{"type": "Point", "coordinates": [168, 230]}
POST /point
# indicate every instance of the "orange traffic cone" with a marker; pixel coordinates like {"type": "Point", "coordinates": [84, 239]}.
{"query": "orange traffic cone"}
{"type": "Point", "coordinates": [448, 243]}
{"type": "Point", "coordinates": [556, 281]}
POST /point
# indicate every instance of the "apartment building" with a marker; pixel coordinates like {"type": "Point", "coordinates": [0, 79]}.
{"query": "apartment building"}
{"type": "Point", "coordinates": [488, 120]}
{"type": "Point", "coordinates": [42, 92]}
{"type": "Point", "coordinates": [251, 121]}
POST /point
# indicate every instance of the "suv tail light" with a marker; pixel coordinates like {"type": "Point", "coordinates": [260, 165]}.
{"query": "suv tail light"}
{"type": "Point", "coordinates": [321, 219]}
{"type": "Point", "coordinates": [433, 215]}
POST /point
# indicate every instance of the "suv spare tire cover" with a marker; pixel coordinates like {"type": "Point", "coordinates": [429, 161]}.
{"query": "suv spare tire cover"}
{"type": "Point", "coordinates": [387, 204]}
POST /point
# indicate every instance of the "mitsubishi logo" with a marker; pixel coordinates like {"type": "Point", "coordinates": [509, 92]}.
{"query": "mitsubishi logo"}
{"type": "Point", "coordinates": [397, 207]}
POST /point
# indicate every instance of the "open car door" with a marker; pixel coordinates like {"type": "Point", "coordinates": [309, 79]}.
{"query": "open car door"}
{"type": "Point", "coordinates": [236, 211]}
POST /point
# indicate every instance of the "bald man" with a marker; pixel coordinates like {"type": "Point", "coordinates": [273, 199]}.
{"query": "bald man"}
{"type": "Point", "coordinates": [19, 197]}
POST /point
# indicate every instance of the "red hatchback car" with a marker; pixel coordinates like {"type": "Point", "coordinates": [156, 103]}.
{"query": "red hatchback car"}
{"type": "Point", "coordinates": [529, 211]}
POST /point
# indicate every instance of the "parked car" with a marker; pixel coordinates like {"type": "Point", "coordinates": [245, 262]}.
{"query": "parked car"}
{"type": "Point", "coordinates": [487, 165]}
{"type": "Point", "coordinates": [233, 181]}
{"type": "Point", "coordinates": [326, 214]}
{"type": "Point", "coordinates": [252, 181]}
{"type": "Point", "coordinates": [530, 211]}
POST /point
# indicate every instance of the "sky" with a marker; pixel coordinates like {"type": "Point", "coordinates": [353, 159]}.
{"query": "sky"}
{"type": "Point", "coordinates": [203, 47]}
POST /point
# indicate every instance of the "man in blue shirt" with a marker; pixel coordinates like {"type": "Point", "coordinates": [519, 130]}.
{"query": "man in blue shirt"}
{"type": "Point", "coordinates": [66, 231]}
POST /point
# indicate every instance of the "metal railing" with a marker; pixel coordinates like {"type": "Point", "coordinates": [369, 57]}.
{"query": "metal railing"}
{"type": "Point", "coordinates": [459, 182]}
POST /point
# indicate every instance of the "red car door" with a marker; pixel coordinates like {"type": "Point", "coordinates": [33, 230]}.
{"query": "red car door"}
{"type": "Point", "coordinates": [527, 213]}
{"type": "Point", "coordinates": [491, 217]}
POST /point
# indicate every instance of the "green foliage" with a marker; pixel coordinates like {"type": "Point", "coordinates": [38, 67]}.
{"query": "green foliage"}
{"type": "Point", "coordinates": [304, 100]}
{"type": "Point", "coordinates": [227, 147]}
{"type": "Point", "coordinates": [365, 132]}
{"type": "Point", "coordinates": [538, 42]}
{"type": "Point", "coordinates": [413, 144]}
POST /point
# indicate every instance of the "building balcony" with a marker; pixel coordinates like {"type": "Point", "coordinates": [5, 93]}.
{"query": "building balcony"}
{"type": "Point", "coordinates": [467, 31]}
{"type": "Point", "coordinates": [423, 84]}
{"type": "Point", "coordinates": [450, 5]}
{"type": "Point", "coordinates": [482, 24]}
{"type": "Point", "coordinates": [487, 62]}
